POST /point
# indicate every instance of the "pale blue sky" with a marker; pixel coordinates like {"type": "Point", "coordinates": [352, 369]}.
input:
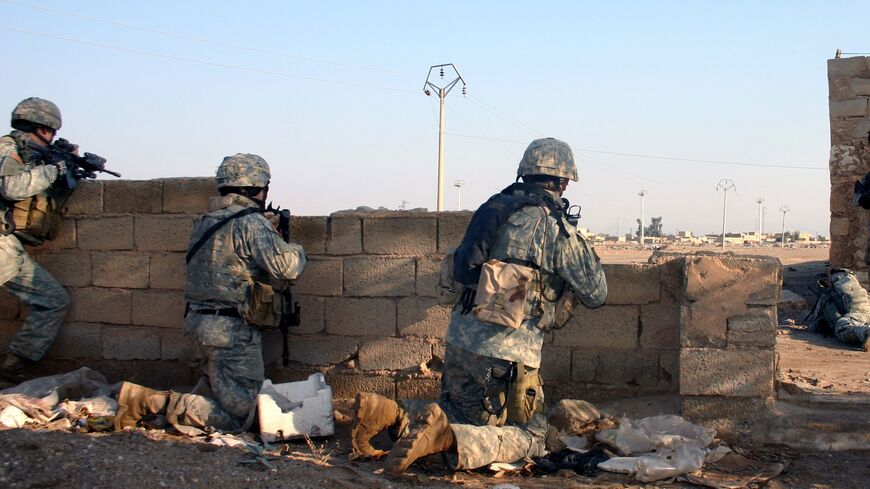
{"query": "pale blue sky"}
{"type": "Point", "coordinates": [330, 94]}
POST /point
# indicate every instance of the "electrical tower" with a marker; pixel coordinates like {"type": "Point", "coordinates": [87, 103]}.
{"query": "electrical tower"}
{"type": "Point", "coordinates": [442, 92]}
{"type": "Point", "coordinates": [725, 184]}
{"type": "Point", "coordinates": [458, 184]}
{"type": "Point", "coordinates": [760, 218]}
{"type": "Point", "coordinates": [641, 194]}
{"type": "Point", "coordinates": [784, 209]}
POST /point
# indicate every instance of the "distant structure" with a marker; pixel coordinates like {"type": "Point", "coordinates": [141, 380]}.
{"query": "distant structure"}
{"type": "Point", "coordinates": [442, 92]}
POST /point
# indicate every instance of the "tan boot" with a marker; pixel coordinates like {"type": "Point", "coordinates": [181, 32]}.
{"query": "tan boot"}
{"type": "Point", "coordinates": [372, 413]}
{"type": "Point", "coordinates": [866, 345]}
{"type": "Point", "coordinates": [136, 401]}
{"type": "Point", "coordinates": [430, 433]}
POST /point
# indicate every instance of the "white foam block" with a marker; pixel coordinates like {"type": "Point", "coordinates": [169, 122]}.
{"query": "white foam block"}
{"type": "Point", "coordinates": [295, 409]}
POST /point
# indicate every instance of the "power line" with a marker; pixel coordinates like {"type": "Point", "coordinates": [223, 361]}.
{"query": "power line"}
{"type": "Point", "coordinates": [202, 62]}
{"type": "Point", "coordinates": [206, 40]}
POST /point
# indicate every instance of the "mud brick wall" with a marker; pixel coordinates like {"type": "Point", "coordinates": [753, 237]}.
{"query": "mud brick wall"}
{"type": "Point", "coordinates": [700, 325]}
{"type": "Point", "coordinates": [849, 102]}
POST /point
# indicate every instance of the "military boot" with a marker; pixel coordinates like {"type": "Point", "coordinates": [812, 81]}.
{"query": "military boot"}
{"type": "Point", "coordinates": [372, 413]}
{"type": "Point", "coordinates": [135, 402]}
{"type": "Point", "coordinates": [12, 370]}
{"type": "Point", "coordinates": [866, 345]}
{"type": "Point", "coordinates": [430, 433]}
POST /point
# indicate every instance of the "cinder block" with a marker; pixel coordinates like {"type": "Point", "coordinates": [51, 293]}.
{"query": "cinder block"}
{"type": "Point", "coordinates": [839, 226]}
{"type": "Point", "coordinates": [174, 345]}
{"type": "Point", "coordinates": [400, 235]}
{"type": "Point", "coordinates": [734, 419]}
{"type": "Point", "coordinates": [167, 271]}
{"type": "Point", "coordinates": [348, 385]}
{"type": "Point", "coordinates": [719, 287]}
{"type": "Point", "coordinates": [451, 229]}
{"type": "Point", "coordinates": [121, 270]}
{"type": "Point", "coordinates": [846, 67]}
{"type": "Point", "coordinates": [310, 232]}
{"type": "Point", "coordinates": [660, 325]}
{"type": "Point", "coordinates": [105, 233]}
{"type": "Point", "coordinates": [639, 367]}
{"type": "Point", "coordinates": [9, 305]}
{"type": "Point", "coordinates": [757, 329]}
{"type": "Point", "coordinates": [345, 235]}
{"type": "Point", "coordinates": [361, 317]}
{"type": "Point", "coordinates": [584, 363]}
{"type": "Point", "coordinates": [605, 327]}
{"type": "Point", "coordinates": [708, 371]}
{"type": "Point", "coordinates": [420, 316]}
{"type": "Point", "coordinates": [70, 268]}
{"type": "Point", "coordinates": [312, 315]}
{"type": "Point", "coordinates": [321, 350]}
{"type": "Point", "coordinates": [163, 233]}
{"type": "Point", "coordinates": [632, 283]}
{"type": "Point", "coordinates": [320, 277]}
{"type": "Point", "coordinates": [131, 343]}
{"type": "Point", "coordinates": [87, 199]}
{"type": "Point", "coordinates": [860, 86]}
{"type": "Point", "coordinates": [845, 163]}
{"type": "Point", "coordinates": [78, 340]}
{"type": "Point", "coordinates": [374, 277]}
{"type": "Point", "coordinates": [393, 354]}
{"type": "Point", "coordinates": [424, 389]}
{"type": "Point", "coordinates": [132, 196]}
{"type": "Point", "coordinates": [188, 195]}
{"type": "Point", "coordinates": [163, 308]}
{"type": "Point", "coordinates": [428, 273]}
{"type": "Point", "coordinates": [853, 107]}
{"type": "Point", "coordinates": [98, 305]}
{"type": "Point", "coordinates": [556, 363]}
{"type": "Point", "coordinates": [64, 237]}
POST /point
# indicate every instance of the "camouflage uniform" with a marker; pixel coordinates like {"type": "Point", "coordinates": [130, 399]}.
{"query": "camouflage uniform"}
{"type": "Point", "coordinates": [480, 355]}
{"type": "Point", "coordinates": [219, 278]}
{"type": "Point", "coordinates": [21, 177]}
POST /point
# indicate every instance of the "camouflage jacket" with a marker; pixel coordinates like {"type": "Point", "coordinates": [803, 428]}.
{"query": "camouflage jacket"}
{"type": "Point", "coordinates": [246, 249]}
{"type": "Point", "coordinates": [532, 234]}
{"type": "Point", "coordinates": [20, 175]}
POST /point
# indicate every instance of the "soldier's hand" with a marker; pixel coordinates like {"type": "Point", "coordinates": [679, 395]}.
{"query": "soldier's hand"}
{"type": "Point", "coordinates": [75, 150]}
{"type": "Point", "coordinates": [273, 218]}
{"type": "Point", "coordinates": [61, 168]}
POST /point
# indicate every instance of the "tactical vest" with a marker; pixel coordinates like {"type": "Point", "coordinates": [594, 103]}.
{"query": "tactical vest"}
{"type": "Point", "coordinates": [35, 219]}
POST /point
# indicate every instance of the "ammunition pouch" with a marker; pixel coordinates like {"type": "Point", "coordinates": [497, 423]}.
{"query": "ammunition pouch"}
{"type": "Point", "coordinates": [525, 396]}
{"type": "Point", "coordinates": [264, 307]}
{"type": "Point", "coordinates": [503, 292]}
{"type": "Point", "coordinates": [35, 219]}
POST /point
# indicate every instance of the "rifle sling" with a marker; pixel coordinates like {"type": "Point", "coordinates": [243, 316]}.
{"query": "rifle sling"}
{"type": "Point", "coordinates": [214, 228]}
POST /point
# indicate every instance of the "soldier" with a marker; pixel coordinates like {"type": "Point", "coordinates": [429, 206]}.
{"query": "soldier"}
{"type": "Point", "coordinates": [491, 403]}
{"type": "Point", "coordinates": [29, 212]}
{"type": "Point", "coordinates": [232, 246]}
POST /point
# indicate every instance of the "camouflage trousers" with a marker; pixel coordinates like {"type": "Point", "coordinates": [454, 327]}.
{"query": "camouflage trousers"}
{"type": "Point", "coordinates": [33, 285]}
{"type": "Point", "coordinates": [474, 391]}
{"type": "Point", "coordinates": [232, 373]}
{"type": "Point", "coordinates": [852, 328]}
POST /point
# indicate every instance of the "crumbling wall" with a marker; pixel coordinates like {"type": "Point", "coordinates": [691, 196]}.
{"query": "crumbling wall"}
{"type": "Point", "coordinates": [849, 99]}
{"type": "Point", "coordinates": [370, 316]}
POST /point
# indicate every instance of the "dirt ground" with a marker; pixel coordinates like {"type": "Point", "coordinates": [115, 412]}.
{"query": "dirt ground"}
{"type": "Point", "coordinates": [34, 458]}
{"type": "Point", "coordinates": [59, 459]}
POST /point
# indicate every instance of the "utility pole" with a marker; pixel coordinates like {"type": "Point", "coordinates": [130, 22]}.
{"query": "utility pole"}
{"type": "Point", "coordinates": [760, 218]}
{"type": "Point", "coordinates": [442, 94]}
{"type": "Point", "coordinates": [404, 205]}
{"type": "Point", "coordinates": [458, 184]}
{"type": "Point", "coordinates": [725, 184]}
{"type": "Point", "coordinates": [784, 209]}
{"type": "Point", "coordinates": [642, 194]}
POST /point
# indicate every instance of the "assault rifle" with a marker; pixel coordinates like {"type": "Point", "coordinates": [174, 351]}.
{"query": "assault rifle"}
{"type": "Point", "coordinates": [290, 315]}
{"type": "Point", "coordinates": [572, 212]}
{"type": "Point", "coordinates": [77, 167]}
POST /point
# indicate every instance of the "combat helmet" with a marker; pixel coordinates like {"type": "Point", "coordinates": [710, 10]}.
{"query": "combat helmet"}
{"type": "Point", "coordinates": [243, 170]}
{"type": "Point", "coordinates": [548, 156]}
{"type": "Point", "coordinates": [36, 110]}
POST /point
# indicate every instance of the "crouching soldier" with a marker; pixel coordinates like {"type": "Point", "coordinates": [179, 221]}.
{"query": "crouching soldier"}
{"type": "Point", "coordinates": [233, 249]}
{"type": "Point", "coordinates": [28, 215]}
{"type": "Point", "coordinates": [519, 261]}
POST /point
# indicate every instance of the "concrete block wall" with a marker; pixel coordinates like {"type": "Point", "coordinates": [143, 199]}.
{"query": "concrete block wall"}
{"type": "Point", "coordinates": [698, 325]}
{"type": "Point", "coordinates": [849, 105]}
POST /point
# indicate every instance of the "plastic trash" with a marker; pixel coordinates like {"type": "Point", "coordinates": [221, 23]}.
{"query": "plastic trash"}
{"type": "Point", "coordinates": [295, 409]}
{"type": "Point", "coordinates": [12, 417]}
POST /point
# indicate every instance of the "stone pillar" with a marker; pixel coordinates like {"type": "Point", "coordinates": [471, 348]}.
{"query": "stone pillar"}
{"type": "Point", "coordinates": [849, 102]}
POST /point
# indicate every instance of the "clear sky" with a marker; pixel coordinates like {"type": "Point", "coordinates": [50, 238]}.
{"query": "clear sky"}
{"type": "Point", "coordinates": [330, 93]}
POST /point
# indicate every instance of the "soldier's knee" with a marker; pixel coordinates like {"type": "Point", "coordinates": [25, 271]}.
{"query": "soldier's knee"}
{"type": "Point", "coordinates": [60, 301]}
